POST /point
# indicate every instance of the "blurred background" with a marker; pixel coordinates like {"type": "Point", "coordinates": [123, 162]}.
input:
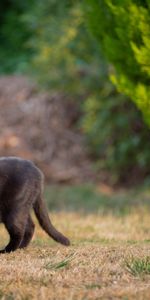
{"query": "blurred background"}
{"type": "Point", "coordinates": [74, 89]}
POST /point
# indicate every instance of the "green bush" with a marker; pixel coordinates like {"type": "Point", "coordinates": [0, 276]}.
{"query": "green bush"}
{"type": "Point", "coordinates": [14, 35]}
{"type": "Point", "coordinates": [65, 55]}
{"type": "Point", "coordinates": [117, 136]}
{"type": "Point", "coordinates": [123, 31]}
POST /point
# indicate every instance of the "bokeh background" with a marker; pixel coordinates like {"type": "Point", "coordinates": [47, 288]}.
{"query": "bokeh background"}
{"type": "Point", "coordinates": [74, 88]}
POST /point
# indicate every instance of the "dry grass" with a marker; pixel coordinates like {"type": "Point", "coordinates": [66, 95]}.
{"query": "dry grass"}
{"type": "Point", "coordinates": [96, 266]}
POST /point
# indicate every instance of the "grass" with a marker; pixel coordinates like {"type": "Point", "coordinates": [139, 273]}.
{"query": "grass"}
{"type": "Point", "coordinates": [61, 264]}
{"type": "Point", "coordinates": [138, 266]}
{"type": "Point", "coordinates": [88, 198]}
{"type": "Point", "coordinates": [109, 257]}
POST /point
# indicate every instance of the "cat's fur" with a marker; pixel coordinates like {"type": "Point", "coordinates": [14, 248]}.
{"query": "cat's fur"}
{"type": "Point", "coordinates": [21, 185]}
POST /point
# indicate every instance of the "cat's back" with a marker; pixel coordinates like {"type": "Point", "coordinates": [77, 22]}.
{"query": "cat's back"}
{"type": "Point", "coordinates": [18, 170]}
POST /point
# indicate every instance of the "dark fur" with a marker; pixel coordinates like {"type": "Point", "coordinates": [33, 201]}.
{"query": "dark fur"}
{"type": "Point", "coordinates": [21, 184]}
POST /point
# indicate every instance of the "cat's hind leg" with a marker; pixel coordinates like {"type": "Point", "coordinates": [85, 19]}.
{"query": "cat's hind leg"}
{"type": "Point", "coordinates": [15, 223]}
{"type": "Point", "coordinates": [28, 233]}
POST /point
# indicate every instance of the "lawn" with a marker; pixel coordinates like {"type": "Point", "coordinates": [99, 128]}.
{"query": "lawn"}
{"type": "Point", "coordinates": [110, 253]}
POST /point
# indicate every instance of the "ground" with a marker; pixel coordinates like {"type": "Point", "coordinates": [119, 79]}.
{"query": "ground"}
{"type": "Point", "coordinates": [110, 253]}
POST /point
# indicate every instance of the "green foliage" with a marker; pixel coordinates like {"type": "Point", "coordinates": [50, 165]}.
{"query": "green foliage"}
{"type": "Point", "coordinates": [14, 34]}
{"type": "Point", "coordinates": [66, 57]}
{"type": "Point", "coordinates": [123, 31]}
{"type": "Point", "coordinates": [117, 135]}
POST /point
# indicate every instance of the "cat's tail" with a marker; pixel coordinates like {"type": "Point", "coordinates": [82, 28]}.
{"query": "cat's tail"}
{"type": "Point", "coordinates": [41, 213]}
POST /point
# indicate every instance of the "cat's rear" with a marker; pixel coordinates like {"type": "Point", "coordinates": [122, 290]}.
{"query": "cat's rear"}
{"type": "Point", "coordinates": [21, 185]}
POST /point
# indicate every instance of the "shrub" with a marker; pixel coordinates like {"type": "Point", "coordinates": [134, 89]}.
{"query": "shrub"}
{"type": "Point", "coordinates": [117, 135]}
{"type": "Point", "coordinates": [122, 29]}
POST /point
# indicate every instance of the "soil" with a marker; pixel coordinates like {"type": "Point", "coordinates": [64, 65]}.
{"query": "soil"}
{"type": "Point", "coordinates": [41, 126]}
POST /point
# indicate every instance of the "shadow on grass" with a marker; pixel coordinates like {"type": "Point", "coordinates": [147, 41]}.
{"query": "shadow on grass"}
{"type": "Point", "coordinates": [87, 199]}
